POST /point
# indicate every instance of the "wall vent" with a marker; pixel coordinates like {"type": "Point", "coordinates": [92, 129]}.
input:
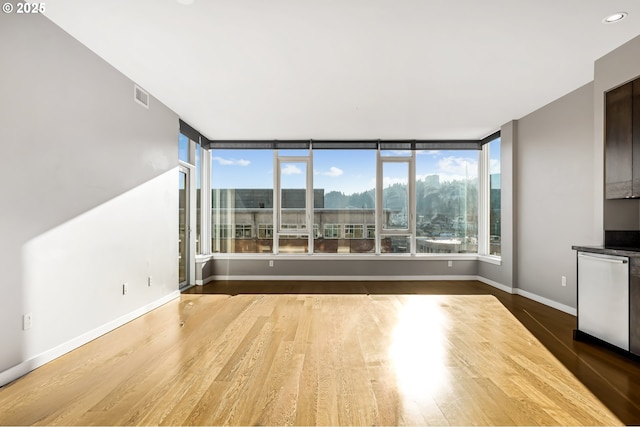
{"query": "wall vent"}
{"type": "Point", "coordinates": [141, 96]}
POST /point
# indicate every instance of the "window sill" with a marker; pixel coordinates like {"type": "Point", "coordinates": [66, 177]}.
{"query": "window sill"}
{"type": "Point", "coordinates": [347, 257]}
{"type": "Point", "coordinates": [490, 259]}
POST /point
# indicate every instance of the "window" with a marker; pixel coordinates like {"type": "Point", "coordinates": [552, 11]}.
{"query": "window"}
{"type": "Point", "coordinates": [243, 231]}
{"type": "Point", "coordinates": [371, 231]}
{"type": "Point", "coordinates": [183, 148]}
{"type": "Point", "coordinates": [265, 231]}
{"type": "Point", "coordinates": [332, 231]}
{"type": "Point", "coordinates": [198, 163]}
{"type": "Point", "coordinates": [429, 201]}
{"type": "Point", "coordinates": [344, 184]}
{"type": "Point", "coordinates": [495, 234]}
{"type": "Point", "coordinates": [447, 201]}
{"type": "Point", "coordinates": [242, 198]}
{"type": "Point", "coordinates": [352, 231]}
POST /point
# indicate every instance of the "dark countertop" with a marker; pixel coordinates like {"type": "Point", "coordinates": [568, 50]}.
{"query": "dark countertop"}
{"type": "Point", "coordinates": [616, 251]}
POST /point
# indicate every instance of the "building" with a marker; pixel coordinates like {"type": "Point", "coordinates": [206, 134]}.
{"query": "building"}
{"type": "Point", "coordinates": [90, 203]}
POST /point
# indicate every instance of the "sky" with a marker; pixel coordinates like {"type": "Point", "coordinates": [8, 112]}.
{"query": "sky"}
{"type": "Point", "coordinates": [348, 171]}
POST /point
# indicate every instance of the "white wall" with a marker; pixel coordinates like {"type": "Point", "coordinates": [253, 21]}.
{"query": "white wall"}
{"type": "Point", "coordinates": [554, 175]}
{"type": "Point", "coordinates": [89, 195]}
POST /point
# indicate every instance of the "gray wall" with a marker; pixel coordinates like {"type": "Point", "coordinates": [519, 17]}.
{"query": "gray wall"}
{"type": "Point", "coordinates": [88, 185]}
{"type": "Point", "coordinates": [386, 268]}
{"type": "Point", "coordinates": [611, 71]}
{"type": "Point", "coordinates": [554, 194]}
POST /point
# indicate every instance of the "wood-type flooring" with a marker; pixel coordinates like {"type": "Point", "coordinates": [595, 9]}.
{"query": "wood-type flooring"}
{"type": "Point", "coordinates": [334, 353]}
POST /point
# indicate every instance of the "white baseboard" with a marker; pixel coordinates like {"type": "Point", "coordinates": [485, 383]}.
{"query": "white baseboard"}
{"type": "Point", "coordinates": [529, 295]}
{"type": "Point", "coordinates": [548, 302]}
{"type": "Point", "coordinates": [496, 285]}
{"type": "Point", "coordinates": [29, 365]}
{"type": "Point", "coordinates": [338, 278]}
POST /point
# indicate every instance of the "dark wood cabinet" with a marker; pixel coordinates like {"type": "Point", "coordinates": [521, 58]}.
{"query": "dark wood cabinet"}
{"type": "Point", "coordinates": [620, 158]}
{"type": "Point", "coordinates": [635, 137]}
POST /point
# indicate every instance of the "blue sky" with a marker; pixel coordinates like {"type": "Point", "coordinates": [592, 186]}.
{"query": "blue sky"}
{"type": "Point", "coordinates": [348, 171]}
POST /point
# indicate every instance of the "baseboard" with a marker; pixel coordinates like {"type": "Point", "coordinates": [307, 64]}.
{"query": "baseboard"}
{"type": "Point", "coordinates": [29, 365]}
{"type": "Point", "coordinates": [339, 278]}
{"type": "Point", "coordinates": [496, 285]}
{"type": "Point", "coordinates": [548, 302]}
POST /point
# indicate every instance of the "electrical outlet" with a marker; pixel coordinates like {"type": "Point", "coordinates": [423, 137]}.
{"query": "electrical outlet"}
{"type": "Point", "coordinates": [270, 263]}
{"type": "Point", "coordinates": [149, 281]}
{"type": "Point", "coordinates": [564, 280]}
{"type": "Point", "coordinates": [125, 288]}
{"type": "Point", "coordinates": [449, 263]}
{"type": "Point", "coordinates": [27, 321]}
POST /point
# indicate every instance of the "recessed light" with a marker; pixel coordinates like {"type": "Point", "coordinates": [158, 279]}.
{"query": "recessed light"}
{"type": "Point", "coordinates": [616, 17]}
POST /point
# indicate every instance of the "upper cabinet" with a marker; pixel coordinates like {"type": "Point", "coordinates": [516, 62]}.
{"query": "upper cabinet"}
{"type": "Point", "coordinates": [622, 141]}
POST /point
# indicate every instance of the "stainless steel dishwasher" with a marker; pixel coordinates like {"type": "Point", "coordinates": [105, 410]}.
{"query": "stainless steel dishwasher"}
{"type": "Point", "coordinates": [603, 297]}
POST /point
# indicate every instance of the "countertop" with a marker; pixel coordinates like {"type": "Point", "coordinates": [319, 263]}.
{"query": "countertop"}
{"type": "Point", "coordinates": [617, 251]}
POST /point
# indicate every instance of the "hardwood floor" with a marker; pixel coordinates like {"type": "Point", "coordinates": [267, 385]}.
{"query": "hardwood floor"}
{"type": "Point", "coordinates": [334, 353]}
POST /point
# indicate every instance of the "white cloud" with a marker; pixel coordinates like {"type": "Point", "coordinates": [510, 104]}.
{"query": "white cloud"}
{"type": "Point", "coordinates": [291, 170]}
{"type": "Point", "coordinates": [457, 168]}
{"type": "Point", "coordinates": [231, 162]}
{"type": "Point", "coordinates": [494, 166]}
{"type": "Point", "coordinates": [333, 172]}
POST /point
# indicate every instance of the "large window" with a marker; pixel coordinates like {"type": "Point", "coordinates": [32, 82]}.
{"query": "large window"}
{"type": "Point", "coordinates": [242, 201]}
{"type": "Point", "coordinates": [357, 201]}
{"type": "Point", "coordinates": [495, 234]}
{"type": "Point", "coordinates": [344, 183]}
{"type": "Point", "coordinates": [447, 201]}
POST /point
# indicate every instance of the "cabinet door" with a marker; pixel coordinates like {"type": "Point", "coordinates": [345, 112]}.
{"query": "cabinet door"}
{"type": "Point", "coordinates": [635, 126]}
{"type": "Point", "coordinates": [618, 142]}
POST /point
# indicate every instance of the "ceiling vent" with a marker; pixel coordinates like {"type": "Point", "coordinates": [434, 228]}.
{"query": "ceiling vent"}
{"type": "Point", "coordinates": [141, 96]}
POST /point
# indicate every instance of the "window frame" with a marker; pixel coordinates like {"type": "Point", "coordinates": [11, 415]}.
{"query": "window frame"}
{"type": "Point", "coordinates": [370, 231]}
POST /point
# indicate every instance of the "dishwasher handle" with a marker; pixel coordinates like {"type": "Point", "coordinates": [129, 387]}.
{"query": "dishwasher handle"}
{"type": "Point", "coordinates": [604, 258]}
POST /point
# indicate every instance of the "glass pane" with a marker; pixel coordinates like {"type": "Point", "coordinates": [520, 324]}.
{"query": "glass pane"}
{"type": "Point", "coordinates": [447, 201]}
{"type": "Point", "coordinates": [182, 227]}
{"type": "Point", "coordinates": [494, 198]}
{"type": "Point", "coordinates": [293, 203]}
{"type": "Point", "coordinates": [395, 196]}
{"type": "Point", "coordinates": [198, 197]}
{"type": "Point", "coordinates": [344, 201]}
{"type": "Point", "coordinates": [183, 148]}
{"type": "Point", "coordinates": [395, 245]}
{"type": "Point", "coordinates": [242, 201]}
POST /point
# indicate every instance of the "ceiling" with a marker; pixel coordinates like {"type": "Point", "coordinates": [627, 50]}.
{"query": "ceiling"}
{"type": "Point", "coordinates": [350, 69]}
